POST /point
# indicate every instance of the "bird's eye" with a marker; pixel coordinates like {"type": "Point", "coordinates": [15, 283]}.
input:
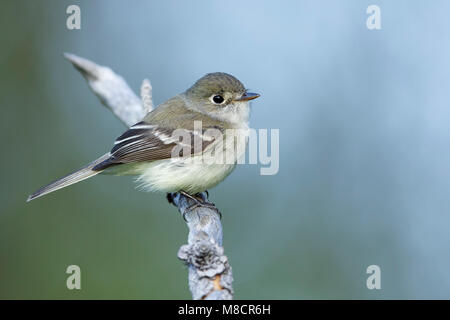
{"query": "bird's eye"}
{"type": "Point", "coordinates": [218, 99]}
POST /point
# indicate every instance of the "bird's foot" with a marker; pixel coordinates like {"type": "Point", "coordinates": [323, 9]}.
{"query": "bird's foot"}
{"type": "Point", "coordinates": [200, 200]}
{"type": "Point", "coordinates": [169, 197]}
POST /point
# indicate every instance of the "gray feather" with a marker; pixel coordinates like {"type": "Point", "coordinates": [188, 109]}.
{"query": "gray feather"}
{"type": "Point", "coordinates": [74, 177]}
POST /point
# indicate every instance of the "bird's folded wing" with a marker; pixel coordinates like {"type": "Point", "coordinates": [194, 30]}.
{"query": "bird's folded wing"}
{"type": "Point", "coordinates": [144, 142]}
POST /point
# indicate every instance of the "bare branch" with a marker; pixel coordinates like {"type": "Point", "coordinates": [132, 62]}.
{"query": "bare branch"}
{"type": "Point", "coordinates": [210, 275]}
{"type": "Point", "coordinates": [146, 95]}
{"type": "Point", "coordinates": [111, 89]}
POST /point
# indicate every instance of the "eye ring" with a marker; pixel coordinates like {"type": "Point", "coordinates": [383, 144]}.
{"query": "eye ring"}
{"type": "Point", "coordinates": [217, 99]}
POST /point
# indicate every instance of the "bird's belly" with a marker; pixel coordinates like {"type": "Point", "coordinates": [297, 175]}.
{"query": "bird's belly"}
{"type": "Point", "coordinates": [195, 174]}
{"type": "Point", "coordinates": [172, 176]}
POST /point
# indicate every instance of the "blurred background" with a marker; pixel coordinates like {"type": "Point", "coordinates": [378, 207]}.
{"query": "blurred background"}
{"type": "Point", "coordinates": [364, 148]}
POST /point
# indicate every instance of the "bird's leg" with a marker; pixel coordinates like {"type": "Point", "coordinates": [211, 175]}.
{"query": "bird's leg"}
{"type": "Point", "coordinates": [196, 198]}
{"type": "Point", "coordinates": [169, 197]}
{"type": "Point", "coordinates": [206, 203]}
{"type": "Point", "coordinates": [200, 201]}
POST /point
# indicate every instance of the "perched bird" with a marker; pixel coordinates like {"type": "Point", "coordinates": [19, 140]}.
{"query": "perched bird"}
{"type": "Point", "coordinates": [150, 149]}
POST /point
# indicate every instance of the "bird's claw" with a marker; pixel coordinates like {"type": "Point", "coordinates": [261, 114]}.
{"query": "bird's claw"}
{"type": "Point", "coordinates": [199, 201]}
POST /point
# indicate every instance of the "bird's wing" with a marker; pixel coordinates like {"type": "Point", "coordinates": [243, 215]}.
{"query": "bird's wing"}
{"type": "Point", "coordinates": [146, 142]}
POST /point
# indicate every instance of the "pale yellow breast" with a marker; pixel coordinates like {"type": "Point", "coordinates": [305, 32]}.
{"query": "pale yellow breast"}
{"type": "Point", "coordinates": [198, 173]}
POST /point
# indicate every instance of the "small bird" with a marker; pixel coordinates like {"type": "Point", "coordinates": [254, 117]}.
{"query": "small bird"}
{"type": "Point", "coordinates": [218, 101]}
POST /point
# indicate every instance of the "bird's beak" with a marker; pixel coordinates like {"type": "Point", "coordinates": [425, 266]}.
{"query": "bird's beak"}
{"type": "Point", "coordinates": [247, 96]}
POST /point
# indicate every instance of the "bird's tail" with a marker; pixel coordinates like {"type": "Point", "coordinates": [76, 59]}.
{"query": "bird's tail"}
{"type": "Point", "coordinates": [77, 176]}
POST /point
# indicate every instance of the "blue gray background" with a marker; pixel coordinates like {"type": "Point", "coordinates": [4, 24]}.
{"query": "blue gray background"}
{"type": "Point", "coordinates": [364, 148]}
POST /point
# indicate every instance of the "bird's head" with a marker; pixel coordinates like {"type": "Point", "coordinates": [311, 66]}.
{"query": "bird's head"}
{"type": "Point", "coordinates": [222, 96]}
